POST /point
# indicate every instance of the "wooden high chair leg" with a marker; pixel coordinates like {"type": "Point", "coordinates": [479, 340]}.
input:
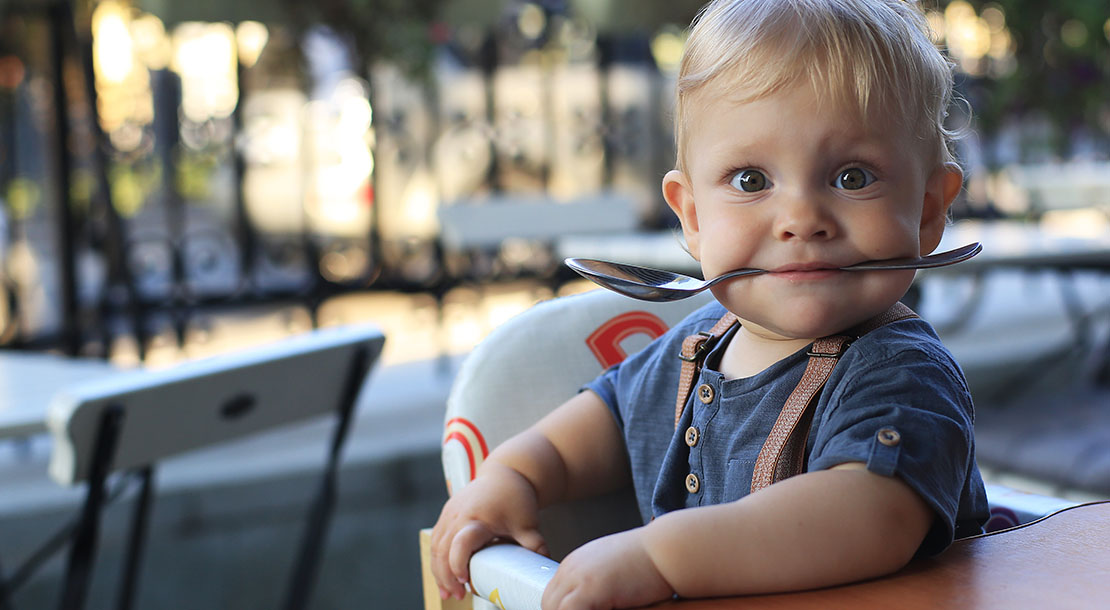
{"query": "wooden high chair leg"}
{"type": "Point", "coordinates": [432, 600]}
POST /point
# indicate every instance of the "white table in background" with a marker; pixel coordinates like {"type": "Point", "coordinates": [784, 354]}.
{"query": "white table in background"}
{"type": "Point", "coordinates": [28, 381]}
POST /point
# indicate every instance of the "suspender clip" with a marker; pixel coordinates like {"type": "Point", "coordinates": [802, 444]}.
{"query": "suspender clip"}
{"type": "Point", "coordinates": [700, 348]}
{"type": "Point", "coordinates": [840, 352]}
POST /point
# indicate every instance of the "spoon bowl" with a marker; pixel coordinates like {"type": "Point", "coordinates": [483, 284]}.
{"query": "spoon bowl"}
{"type": "Point", "coordinates": [648, 284]}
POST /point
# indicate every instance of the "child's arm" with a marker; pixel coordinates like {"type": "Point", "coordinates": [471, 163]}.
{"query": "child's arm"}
{"type": "Point", "coordinates": [816, 529]}
{"type": "Point", "coordinates": [575, 451]}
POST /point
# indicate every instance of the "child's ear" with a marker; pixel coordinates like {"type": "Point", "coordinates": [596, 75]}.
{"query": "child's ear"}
{"type": "Point", "coordinates": [941, 189]}
{"type": "Point", "coordinates": [680, 198]}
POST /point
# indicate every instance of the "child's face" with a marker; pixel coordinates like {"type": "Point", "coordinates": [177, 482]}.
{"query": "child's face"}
{"type": "Point", "coordinates": [799, 188]}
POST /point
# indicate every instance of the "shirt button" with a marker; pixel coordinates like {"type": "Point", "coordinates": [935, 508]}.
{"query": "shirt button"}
{"type": "Point", "coordinates": [692, 436]}
{"type": "Point", "coordinates": [705, 393]}
{"type": "Point", "coordinates": [692, 483]}
{"type": "Point", "coordinates": [889, 437]}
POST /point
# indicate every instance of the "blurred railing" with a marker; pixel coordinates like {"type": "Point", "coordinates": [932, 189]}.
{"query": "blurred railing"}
{"type": "Point", "coordinates": [136, 200]}
{"type": "Point", "coordinates": [111, 235]}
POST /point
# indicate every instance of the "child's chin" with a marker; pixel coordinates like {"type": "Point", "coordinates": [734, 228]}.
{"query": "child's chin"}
{"type": "Point", "coordinates": [801, 326]}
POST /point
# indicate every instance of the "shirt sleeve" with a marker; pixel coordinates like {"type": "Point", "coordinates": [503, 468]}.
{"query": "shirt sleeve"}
{"type": "Point", "coordinates": [908, 416]}
{"type": "Point", "coordinates": [605, 386]}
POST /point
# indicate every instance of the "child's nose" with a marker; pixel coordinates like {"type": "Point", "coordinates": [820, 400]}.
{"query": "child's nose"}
{"type": "Point", "coordinates": [804, 218]}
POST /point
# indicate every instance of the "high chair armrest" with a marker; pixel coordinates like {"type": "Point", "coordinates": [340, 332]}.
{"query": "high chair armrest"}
{"type": "Point", "coordinates": [510, 576]}
{"type": "Point", "coordinates": [506, 575]}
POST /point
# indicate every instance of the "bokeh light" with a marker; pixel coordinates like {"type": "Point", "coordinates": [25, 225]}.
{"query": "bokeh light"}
{"type": "Point", "coordinates": [205, 57]}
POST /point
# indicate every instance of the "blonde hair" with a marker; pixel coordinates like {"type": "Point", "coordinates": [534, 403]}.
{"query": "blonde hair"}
{"type": "Point", "coordinates": [860, 52]}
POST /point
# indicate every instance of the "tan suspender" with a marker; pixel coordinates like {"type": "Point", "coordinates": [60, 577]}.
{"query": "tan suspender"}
{"type": "Point", "coordinates": [783, 453]}
{"type": "Point", "coordinates": [694, 350]}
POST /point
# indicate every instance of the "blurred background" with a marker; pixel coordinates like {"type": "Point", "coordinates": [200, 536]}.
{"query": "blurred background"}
{"type": "Point", "coordinates": [179, 179]}
{"type": "Point", "coordinates": [164, 163]}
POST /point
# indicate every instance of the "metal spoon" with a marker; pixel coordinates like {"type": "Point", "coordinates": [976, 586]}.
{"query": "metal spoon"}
{"type": "Point", "coordinates": [649, 284]}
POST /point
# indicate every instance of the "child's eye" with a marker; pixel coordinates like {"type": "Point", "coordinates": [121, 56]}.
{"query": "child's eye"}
{"type": "Point", "coordinates": [853, 178]}
{"type": "Point", "coordinates": [749, 180]}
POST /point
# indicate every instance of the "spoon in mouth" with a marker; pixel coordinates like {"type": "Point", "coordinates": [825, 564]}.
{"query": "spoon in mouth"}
{"type": "Point", "coordinates": [649, 284]}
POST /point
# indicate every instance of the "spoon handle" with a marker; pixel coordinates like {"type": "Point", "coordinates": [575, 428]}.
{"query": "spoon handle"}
{"type": "Point", "coordinates": [941, 259]}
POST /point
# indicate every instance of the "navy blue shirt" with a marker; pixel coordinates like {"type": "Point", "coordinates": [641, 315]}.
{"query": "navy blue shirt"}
{"type": "Point", "coordinates": [897, 378]}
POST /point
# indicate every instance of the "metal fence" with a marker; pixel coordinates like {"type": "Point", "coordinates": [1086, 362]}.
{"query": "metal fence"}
{"type": "Point", "coordinates": [135, 232]}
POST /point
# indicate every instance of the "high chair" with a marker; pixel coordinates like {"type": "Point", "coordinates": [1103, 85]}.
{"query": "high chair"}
{"type": "Point", "coordinates": [521, 371]}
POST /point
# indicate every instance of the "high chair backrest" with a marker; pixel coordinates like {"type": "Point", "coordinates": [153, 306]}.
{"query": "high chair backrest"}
{"type": "Point", "coordinates": [532, 364]}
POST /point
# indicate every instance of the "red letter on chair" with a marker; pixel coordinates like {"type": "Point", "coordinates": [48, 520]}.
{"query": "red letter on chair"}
{"type": "Point", "coordinates": [605, 342]}
{"type": "Point", "coordinates": [466, 434]}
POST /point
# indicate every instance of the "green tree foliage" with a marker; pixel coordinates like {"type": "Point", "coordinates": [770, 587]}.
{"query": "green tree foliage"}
{"type": "Point", "coordinates": [1061, 67]}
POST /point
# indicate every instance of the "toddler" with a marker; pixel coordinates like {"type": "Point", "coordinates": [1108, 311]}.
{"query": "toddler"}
{"type": "Point", "coordinates": [810, 136]}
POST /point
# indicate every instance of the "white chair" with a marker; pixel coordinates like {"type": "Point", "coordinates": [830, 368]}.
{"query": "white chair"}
{"type": "Point", "coordinates": [521, 371]}
{"type": "Point", "coordinates": [133, 420]}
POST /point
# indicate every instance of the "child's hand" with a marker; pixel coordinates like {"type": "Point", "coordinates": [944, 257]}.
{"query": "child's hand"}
{"type": "Point", "coordinates": [611, 572]}
{"type": "Point", "coordinates": [500, 502]}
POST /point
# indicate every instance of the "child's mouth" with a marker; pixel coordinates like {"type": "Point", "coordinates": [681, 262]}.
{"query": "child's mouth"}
{"type": "Point", "coordinates": [806, 271]}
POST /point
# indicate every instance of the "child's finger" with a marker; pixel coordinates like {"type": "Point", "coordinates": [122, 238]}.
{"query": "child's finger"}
{"type": "Point", "coordinates": [440, 549]}
{"type": "Point", "coordinates": [531, 539]}
{"type": "Point", "coordinates": [554, 594]}
{"type": "Point", "coordinates": [449, 587]}
{"type": "Point", "coordinates": [469, 539]}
